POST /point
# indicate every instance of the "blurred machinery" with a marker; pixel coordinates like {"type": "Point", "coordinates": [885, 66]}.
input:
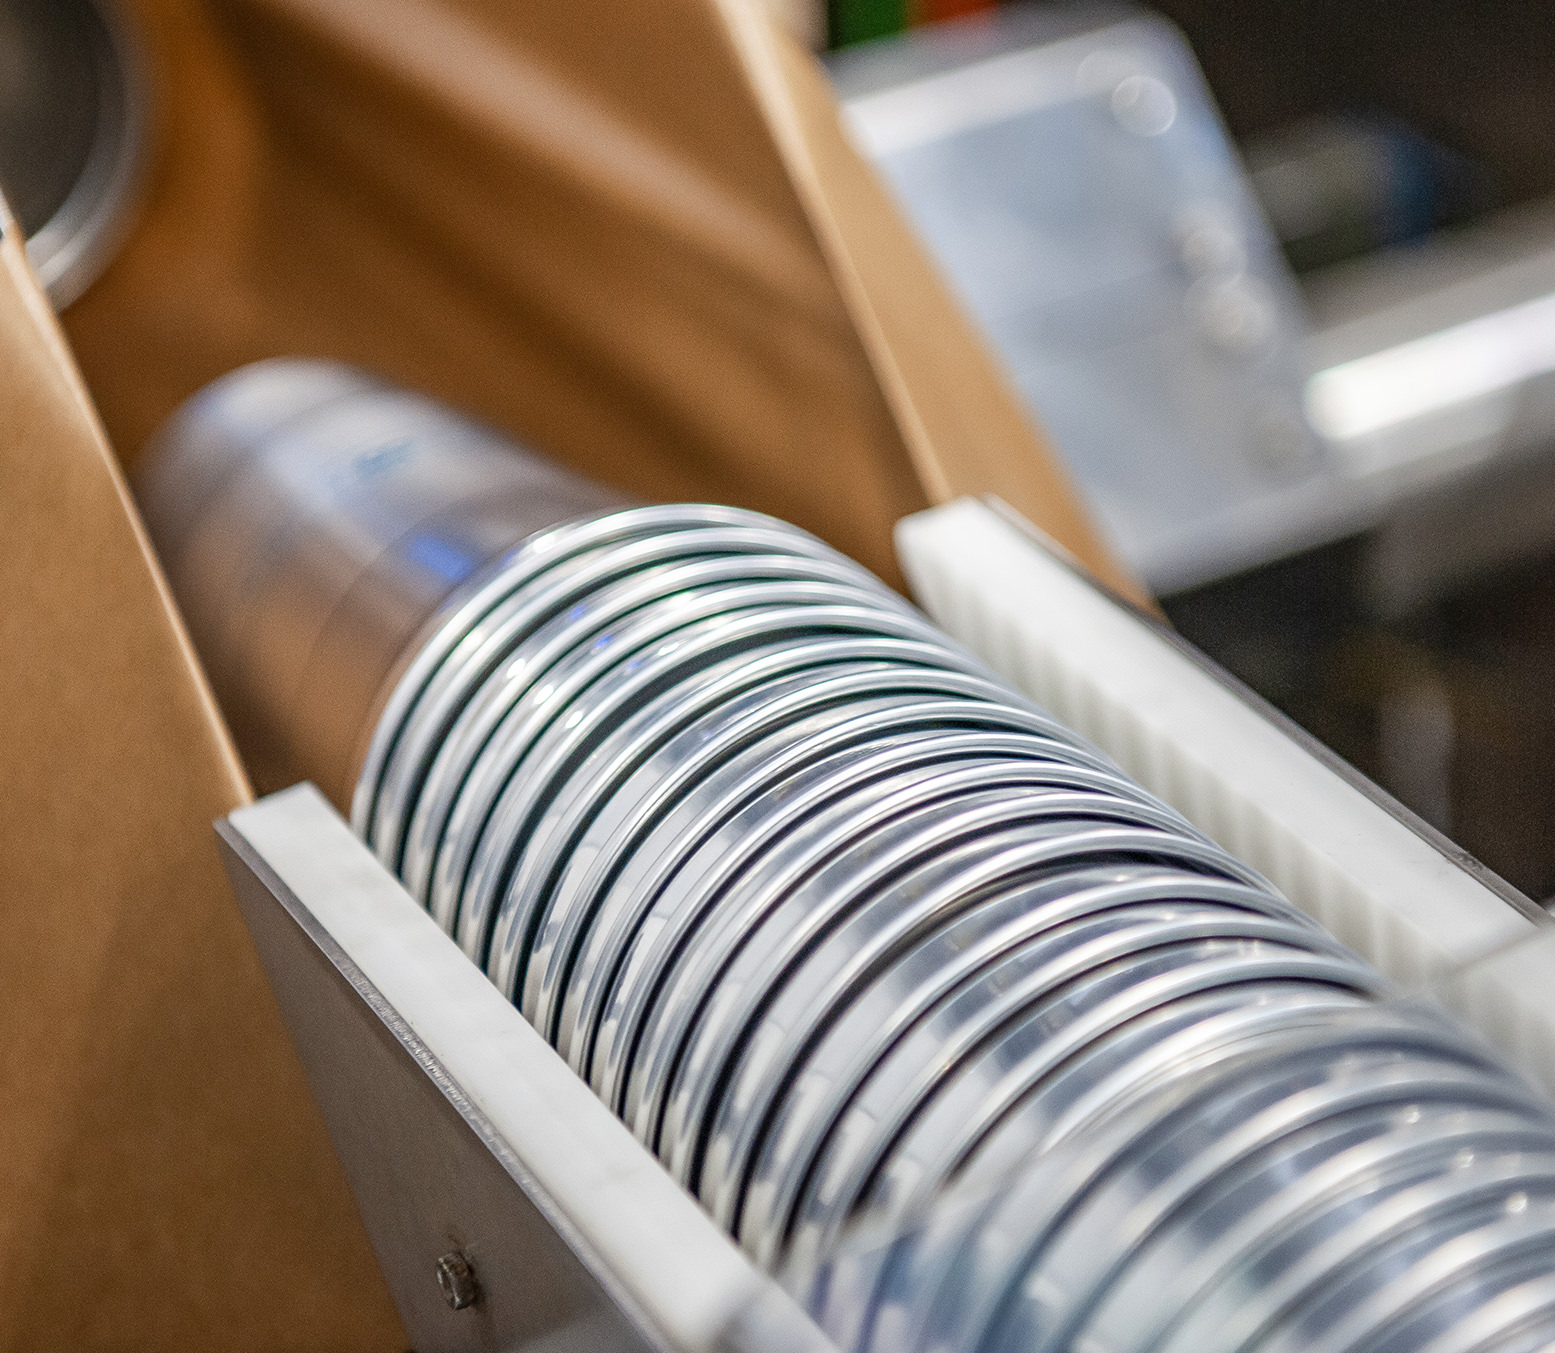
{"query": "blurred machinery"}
{"type": "Point", "coordinates": [1069, 169]}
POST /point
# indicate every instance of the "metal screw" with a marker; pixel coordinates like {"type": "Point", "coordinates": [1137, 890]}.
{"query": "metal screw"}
{"type": "Point", "coordinates": [457, 1279]}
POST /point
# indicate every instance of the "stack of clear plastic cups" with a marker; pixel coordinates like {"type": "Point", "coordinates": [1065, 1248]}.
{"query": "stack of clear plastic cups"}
{"type": "Point", "coordinates": [959, 1031]}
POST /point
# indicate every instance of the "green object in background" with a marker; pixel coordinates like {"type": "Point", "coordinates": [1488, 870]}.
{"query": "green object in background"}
{"type": "Point", "coordinates": [859, 20]}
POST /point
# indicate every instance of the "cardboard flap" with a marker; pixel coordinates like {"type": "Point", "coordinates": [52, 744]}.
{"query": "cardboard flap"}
{"type": "Point", "coordinates": [961, 421]}
{"type": "Point", "coordinates": [166, 1181]}
{"type": "Point", "coordinates": [630, 233]}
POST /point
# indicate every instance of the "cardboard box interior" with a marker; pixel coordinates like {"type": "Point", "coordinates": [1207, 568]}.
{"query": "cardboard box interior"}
{"type": "Point", "coordinates": [167, 1182]}
{"type": "Point", "coordinates": [632, 234]}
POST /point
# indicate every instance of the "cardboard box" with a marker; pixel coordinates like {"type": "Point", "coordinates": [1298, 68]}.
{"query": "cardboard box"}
{"type": "Point", "coordinates": [166, 1180]}
{"type": "Point", "coordinates": [631, 233]}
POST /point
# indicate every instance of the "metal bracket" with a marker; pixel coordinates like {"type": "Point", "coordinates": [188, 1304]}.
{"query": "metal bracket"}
{"type": "Point", "coordinates": [508, 1207]}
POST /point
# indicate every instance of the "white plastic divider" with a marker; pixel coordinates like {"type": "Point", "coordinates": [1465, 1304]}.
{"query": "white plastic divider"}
{"type": "Point", "coordinates": [675, 1262]}
{"type": "Point", "coordinates": [1381, 881]}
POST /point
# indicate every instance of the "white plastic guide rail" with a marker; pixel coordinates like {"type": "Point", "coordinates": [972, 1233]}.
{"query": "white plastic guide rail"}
{"type": "Point", "coordinates": [1396, 891]}
{"type": "Point", "coordinates": [463, 1134]}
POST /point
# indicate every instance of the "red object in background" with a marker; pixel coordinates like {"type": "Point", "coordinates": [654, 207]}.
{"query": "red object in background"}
{"type": "Point", "coordinates": [932, 11]}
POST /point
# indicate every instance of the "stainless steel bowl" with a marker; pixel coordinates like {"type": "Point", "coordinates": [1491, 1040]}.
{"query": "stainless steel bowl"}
{"type": "Point", "coordinates": [553, 680]}
{"type": "Point", "coordinates": [941, 700]}
{"type": "Point", "coordinates": [466, 637]}
{"type": "Point", "coordinates": [867, 782]}
{"type": "Point", "coordinates": [74, 122]}
{"type": "Point", "coordinates": [561, 608]}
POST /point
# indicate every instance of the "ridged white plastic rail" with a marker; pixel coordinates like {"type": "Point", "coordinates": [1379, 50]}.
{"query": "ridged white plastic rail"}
{"type": "Point", "coordinates": [1387, 886]}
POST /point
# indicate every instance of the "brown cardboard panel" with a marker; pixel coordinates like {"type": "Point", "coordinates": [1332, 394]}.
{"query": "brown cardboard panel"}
{"type": "Point", "coordinates": [960, 420]}
{"type": "Point", "coordinates": [165, 1181]}
{"type": "Point", "coordinates": [629, 232]}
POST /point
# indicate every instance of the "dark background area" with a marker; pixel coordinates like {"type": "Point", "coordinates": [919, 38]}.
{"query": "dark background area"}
{"type": "Point", "coordinates": [1479, 78]}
